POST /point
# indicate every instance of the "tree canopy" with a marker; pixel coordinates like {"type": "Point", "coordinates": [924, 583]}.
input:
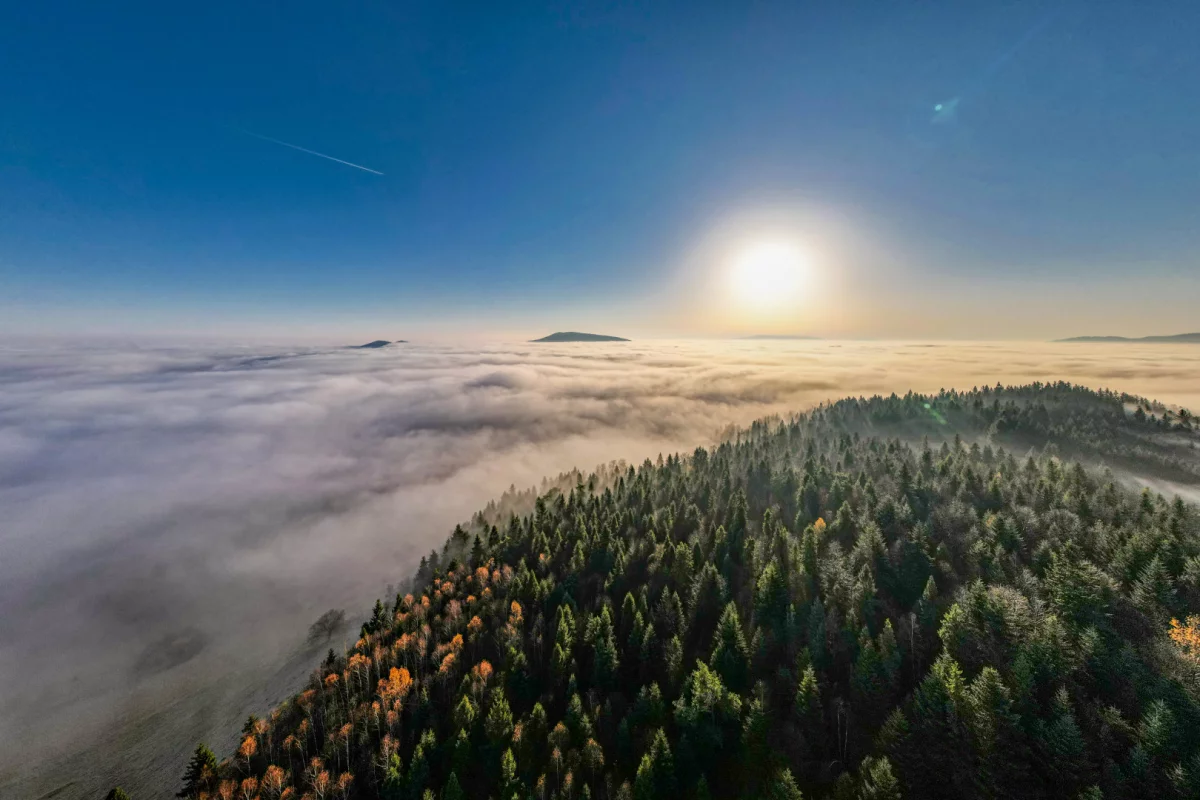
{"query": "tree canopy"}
{"type": "Point", "coordinates": [946, 596]}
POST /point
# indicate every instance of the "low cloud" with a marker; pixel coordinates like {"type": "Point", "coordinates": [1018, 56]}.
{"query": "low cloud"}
{"type": "Point", "coordinates": [172, 517]}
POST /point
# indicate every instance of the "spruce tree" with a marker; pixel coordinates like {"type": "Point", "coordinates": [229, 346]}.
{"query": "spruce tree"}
{"type": "Point", "coordinates": [201, 771]}
{"type": "Point", "coordinates": [731, 656]}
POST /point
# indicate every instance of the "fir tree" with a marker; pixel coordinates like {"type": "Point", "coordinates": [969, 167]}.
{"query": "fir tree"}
{"type": "Point", "coordinates": [201, 771]}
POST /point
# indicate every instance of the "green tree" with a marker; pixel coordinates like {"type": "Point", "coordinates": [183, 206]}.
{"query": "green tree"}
{"type": "Point", "coordinates": [708, 717]}
{"type": "Point", "coordinates": [808, 708]}
{"type": "Point", "coordinates": [604, 649]}
{"type": "Point", "coordinates": [464, 713]}
{"type": "Point", "coordinates": [757, 752]}
{"type": "Point", "coordinates": [418, 770]}
{"type": "Point", "coordinates": [509, 785]}
{"type": "Point", "coordinates": [877, 780]}
{"type": "Point", "coordinates": [937, 755]}
{"type": "Point", "coordinates": [394, 784]}
{"type": "Point", "coordinates": [730, 655]}
{"type": "Point", "coordinates": [201, 771]}
{"type": "Point", "coordinates": [564, 643]}
{"type": "Point", "coordinates": [708, 599]}
{"type": "Point", "coordinates": [534, 731]}
{"type": "Point", "coordinates": [1039, 661]}
{"type": "Point", "coordinates": [499, 723]}
{"type": "Point", "coordinates": [656, 773]}
{"type": "Point", "coordinates": [771, 598]}
{"type": "Point", "coordinates": [782, 786]}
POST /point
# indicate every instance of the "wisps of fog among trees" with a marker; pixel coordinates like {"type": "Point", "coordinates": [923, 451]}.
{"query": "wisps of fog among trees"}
{"type": "Point", "coordinates": [175, 520]}
{"type": "Point", "coordinates": [878, 599]}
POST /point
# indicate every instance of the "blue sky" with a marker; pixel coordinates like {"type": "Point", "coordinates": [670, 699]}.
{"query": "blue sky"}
{"type": "Point", "coordinates": [563, 165]}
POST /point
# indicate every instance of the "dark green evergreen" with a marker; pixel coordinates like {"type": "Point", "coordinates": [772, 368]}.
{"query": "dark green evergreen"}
{"type": "Point", "coordinates": [960, 595]}
{"type": "Point", "coordinates": [201, 772]}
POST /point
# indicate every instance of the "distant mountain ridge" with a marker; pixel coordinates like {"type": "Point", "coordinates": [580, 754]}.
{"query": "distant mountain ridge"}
{"type": "Point", "coordinates": [1188, 338]}
{"type": "Point", "coordinates": [781, 337]}
{"type": "Point", "coordinates": [575, 336]}
{"type": "Point", "coordinates": [376, 344]}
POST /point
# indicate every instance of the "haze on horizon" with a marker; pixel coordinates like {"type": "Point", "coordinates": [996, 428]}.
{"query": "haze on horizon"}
{"type": "Point", "coordinates": [1023, 171]}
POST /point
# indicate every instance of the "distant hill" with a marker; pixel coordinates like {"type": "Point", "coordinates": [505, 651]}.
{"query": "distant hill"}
{"type": "Point", "coordinates": [573, 336]}
{"type": "Point", "coordinates": [1186, 338]}
{"type": "Point", "coordinates": [779, 337]}
{"type": "Point", "coordinates": [376, 344]}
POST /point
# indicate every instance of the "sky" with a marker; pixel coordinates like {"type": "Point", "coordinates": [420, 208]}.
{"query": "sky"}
{"type": "Point", "coordinates": [963, 170]}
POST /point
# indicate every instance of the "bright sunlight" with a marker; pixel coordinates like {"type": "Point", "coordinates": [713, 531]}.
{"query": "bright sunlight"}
{"type": "Point", "coordinates": [769, 275]}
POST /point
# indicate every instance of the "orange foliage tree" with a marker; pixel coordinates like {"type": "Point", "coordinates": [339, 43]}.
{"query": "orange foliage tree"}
{"type": "Point", "coordinates": [248, 748]}
{"type": "Point", "coordinates": [343, 784]}
{"type": "Point", "coordinates": [273, 781]}
{"type": "Point", "coordinates": [1186, 636]}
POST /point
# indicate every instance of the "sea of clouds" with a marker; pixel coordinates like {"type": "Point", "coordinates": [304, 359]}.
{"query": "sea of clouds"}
{"type": "Point", "coordinates": [173, 519]}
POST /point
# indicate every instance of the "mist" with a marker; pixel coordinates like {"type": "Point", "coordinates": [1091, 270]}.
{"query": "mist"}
{"type": "Point", "coordinates": [172, 517]}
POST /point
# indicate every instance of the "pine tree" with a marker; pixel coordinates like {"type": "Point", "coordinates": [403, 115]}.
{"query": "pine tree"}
{"type": "Point", "coordinates": [418, 771]}
{"type": "Point", "coordinates": [452, 790]}
{"type": "Point", "coordinates": [1152, 591]}
{"type": "Point", "coordinates": [708, 600]}
{"type": "Point", "coordinates": [478, 555]}
{"type": "Point", "coordinates": [499, 724]}
{"type": "Point", "coordinates": [707, 714]}
{"type": "Point", "coordinates": [877, 780]}
{"type": "Point", "coordinates": [730, 655]}
{"type": "Point", "coordinates": [817, 646]}
{"type": "Point", "coordinates": [937, 754]}
{"type": "Point", "coordinates": [605, 661]}
{"type": "Point", "coordinates": [757, 754]}
{"type": "Point", "coordinates": [509, 785]}
{"type": "Point", "coordinates": [656, 773]}
{"type": "Point", "coordinates": [201, 771]}
{"type": "Point", "coordinates": [1060, 673]}
{"type": "Point", "coordinates": [771, 598]}
{"type": "Point", "coordinates": [808, 706]}
{"type": "Point", "coordinates": [782, 786]}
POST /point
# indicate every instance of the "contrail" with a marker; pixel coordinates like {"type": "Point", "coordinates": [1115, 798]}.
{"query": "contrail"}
{"type": "Point", "coordinates": [1024, 40]}
{"type": "Point", "coordinates": [310, 152]}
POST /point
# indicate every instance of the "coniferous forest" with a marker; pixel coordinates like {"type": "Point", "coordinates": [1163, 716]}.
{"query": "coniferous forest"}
{"type": "Point", "coordinates": [962, 595]}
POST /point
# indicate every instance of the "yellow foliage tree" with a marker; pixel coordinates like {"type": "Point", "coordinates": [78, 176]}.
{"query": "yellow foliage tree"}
{"type": "Point", "coordinates": [1186, 636]}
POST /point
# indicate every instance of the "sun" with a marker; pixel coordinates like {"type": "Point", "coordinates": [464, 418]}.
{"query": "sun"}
{"type": "Point", "coordinates": [769, 274]}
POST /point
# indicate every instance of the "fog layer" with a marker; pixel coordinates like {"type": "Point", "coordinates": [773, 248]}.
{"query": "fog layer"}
{"type": "Point", "coordinates": [172, 520]}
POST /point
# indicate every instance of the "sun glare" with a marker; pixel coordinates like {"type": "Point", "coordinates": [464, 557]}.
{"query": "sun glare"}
{"type": "Point", "coordinates": [769, 274]}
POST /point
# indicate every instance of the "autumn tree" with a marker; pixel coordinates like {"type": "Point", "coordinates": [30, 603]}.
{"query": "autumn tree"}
{"type": "Point", "coordinates": [906, 596]}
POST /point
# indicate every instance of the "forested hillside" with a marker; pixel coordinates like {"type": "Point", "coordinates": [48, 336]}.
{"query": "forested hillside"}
{"type": "Point", "coordinates": [882, 598]}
